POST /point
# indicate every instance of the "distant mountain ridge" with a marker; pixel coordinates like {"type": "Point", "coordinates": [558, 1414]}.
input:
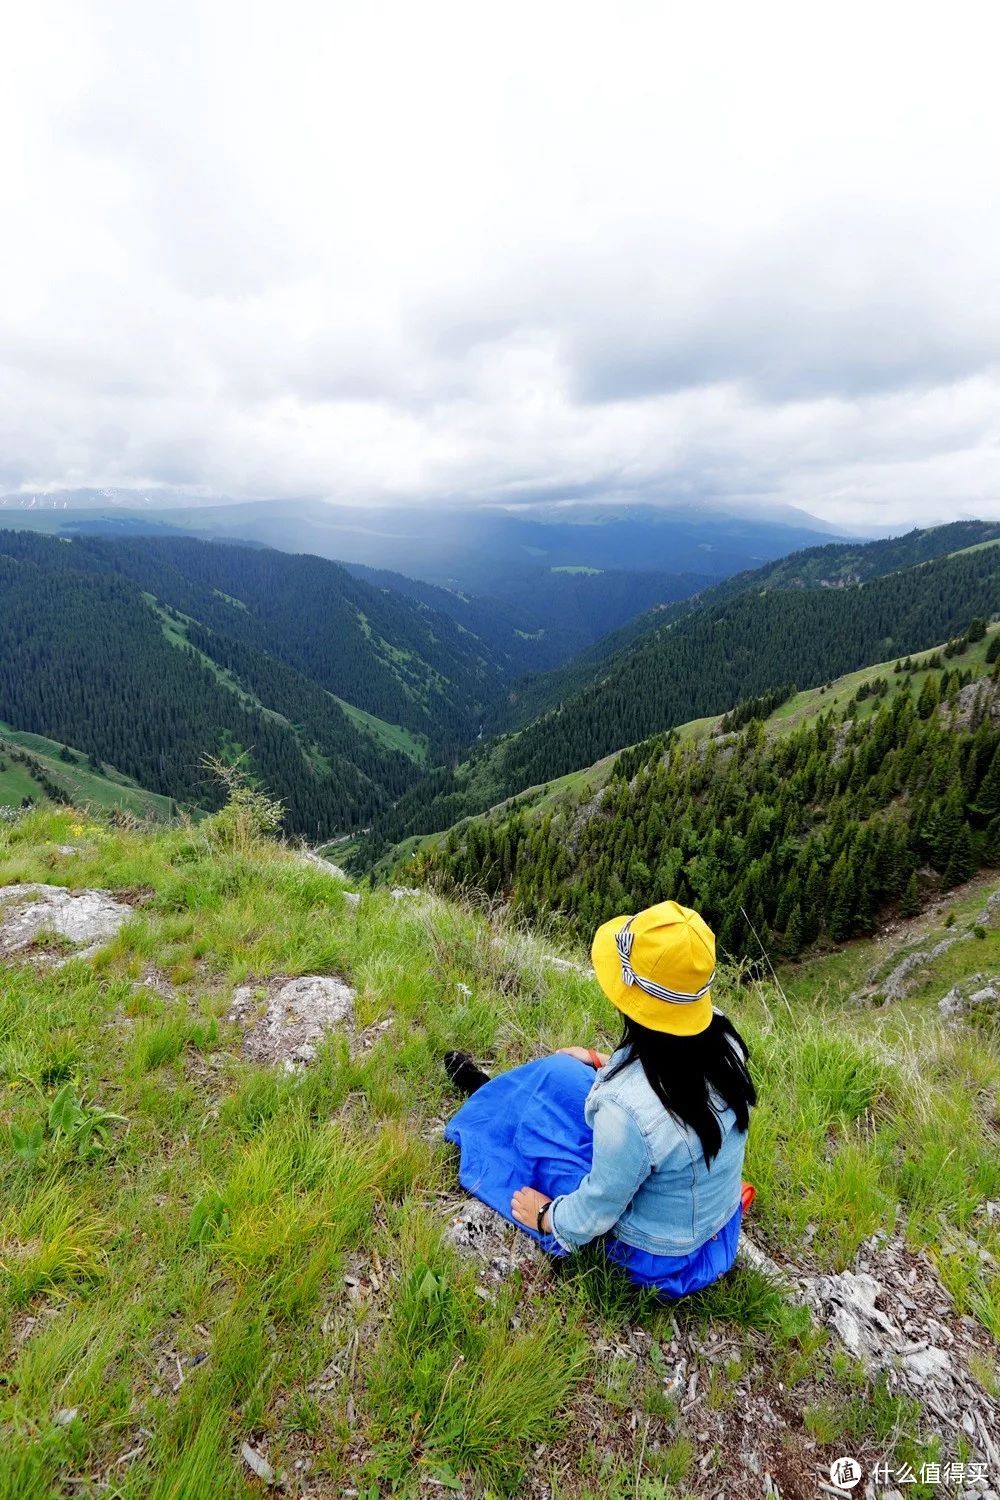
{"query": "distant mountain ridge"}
{"type": "Point", "coordinates": [540, 619]}
{"type": "Point", "coordinates": [474, 548]}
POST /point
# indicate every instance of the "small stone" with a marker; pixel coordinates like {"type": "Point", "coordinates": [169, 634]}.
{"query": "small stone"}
{"type": "Point", "coordinates": [66, 1416]}
{"type": "Point", "coordinates": [258, 1463]}
{"type": "Point", "coordinates": [932, 1365]}
{"type": "Point", "coordinates": [317, 862]}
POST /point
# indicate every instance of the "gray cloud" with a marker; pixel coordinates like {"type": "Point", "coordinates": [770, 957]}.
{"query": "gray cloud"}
{"type": "Point", "coordinates": [385, 253]}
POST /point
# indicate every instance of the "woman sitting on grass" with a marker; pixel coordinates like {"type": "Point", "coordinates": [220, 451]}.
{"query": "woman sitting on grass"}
{"type": "Point", "coordinates": [650, 1153]}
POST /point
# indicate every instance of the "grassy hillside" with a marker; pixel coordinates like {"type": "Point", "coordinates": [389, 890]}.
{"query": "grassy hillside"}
{"type": "Point", "coordinates": [393, 736]}
{"type": "Point", "coordinates": [799, 709]}
{"type": "Point", "coordinates": [76, 779]}
{"type": "Point", "coordinates": [809, 833]}
{"type": "Point", "coordinates": [203, 1256]}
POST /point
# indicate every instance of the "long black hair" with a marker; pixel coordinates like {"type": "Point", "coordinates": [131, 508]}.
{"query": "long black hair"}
{"type": "Point", "coordinates": [685, 1071]}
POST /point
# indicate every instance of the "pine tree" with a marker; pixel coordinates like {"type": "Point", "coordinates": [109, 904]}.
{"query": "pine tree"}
{"type": "Point", "coordinates": [794, 932]}
{"type": "Point", "coordinates": [988, 797]}
{"type": "Point", "coordinates": [909, 905]}
{"type": "Point", "coordinates": [962, 860]}
{"type": "Point", "coordinates": [840, 918]}
{"type": "Point", "coordinates": [930, 696]}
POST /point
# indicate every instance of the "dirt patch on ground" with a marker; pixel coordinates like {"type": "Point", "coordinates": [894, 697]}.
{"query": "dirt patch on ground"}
{"type": "Point", "coordinates": [285, 1020]}
{"type": "Point", "coordinates": [501, 1249]}
{"type": "Point", "coordinates": [890, 1310]}
{"type": "Point", "coordinates": [33, 915]}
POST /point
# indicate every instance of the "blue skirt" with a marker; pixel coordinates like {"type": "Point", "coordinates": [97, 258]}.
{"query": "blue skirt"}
{"type": "Point", "coordinates": [526, 1128]}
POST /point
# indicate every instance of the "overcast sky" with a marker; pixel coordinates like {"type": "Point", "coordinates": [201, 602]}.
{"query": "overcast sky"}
{"type": "Point", "coordinates": [747, 253]}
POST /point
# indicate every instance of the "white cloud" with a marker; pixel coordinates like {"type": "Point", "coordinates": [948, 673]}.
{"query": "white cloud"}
{"type": "Point", "coordinates": [397, 251]}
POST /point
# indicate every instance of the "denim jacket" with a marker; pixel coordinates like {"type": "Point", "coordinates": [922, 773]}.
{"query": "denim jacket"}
{"type": "Point", "coordinates": [648, 1185]}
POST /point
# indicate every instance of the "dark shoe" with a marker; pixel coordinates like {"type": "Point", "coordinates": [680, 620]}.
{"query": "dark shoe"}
{"type": "Point", "coordinates": [463, 1072]}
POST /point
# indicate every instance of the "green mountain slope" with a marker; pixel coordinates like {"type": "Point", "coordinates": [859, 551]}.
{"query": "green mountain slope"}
{"type": "Point", "coordinates": [783, 839]}
{"type": "Point", "coordinates": [387, 655]}
{"type": "Point", "coordinates": [704, 663]}
{"type": "Point", "coordinates": [87, 659]}
{"type": "Point", "coordinates": [835, 565]}
{"type": "Point", "coordinates": [210, 1263]}
{"type": "Point", "coordinates": [34, 768]}
{"type": "Point", "coordinates": [856, 695]}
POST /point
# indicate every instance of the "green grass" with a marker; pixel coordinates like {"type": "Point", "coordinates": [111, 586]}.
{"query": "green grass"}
{"type": "Point", "coordinates": [977, 547]}
{"type": "Point", "coordinates": [105, 789]}
{"type": "Point", "coordinates": [393, 735]}
{"type": "Point", "coordinates": [17, 783]}
{"type": "Point", "coordinates": [175, 1286]}
{"type": "Point", "coordinates": [809, 704]}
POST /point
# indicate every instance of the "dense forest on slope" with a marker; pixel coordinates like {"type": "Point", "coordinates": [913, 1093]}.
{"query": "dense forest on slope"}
{"type": "Point", "coordinates": [834, 565]}
{"type": "Point", "coordinates": [536, 620]}
{"type": "Point", "coordinates": [704, 664]}
{"type": "Point", "coordinates": [85, 660]}
{"type": "Point", "coordinates": [781, 839]}
{"type": "Point", "coordinates": [386, 654]}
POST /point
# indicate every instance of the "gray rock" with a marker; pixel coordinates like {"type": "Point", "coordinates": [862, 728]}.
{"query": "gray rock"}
{"type": "Point", "coordinates": [30, 913]}
{"type": "Point", "coordinates": [286, 1020]}
{"type": "Point", "coordinates": [951, 1004]}
{"type": "Point", "coordinates": [317, 862]}
{"type": "Point", "coordinates": [966, 996]}
{"type": "Point", "coordinates": [258, 1463]}
{"type": "Point", "coordinates": [477, 1231]}
{"type": "Point", "coordinates": [929, 1365]}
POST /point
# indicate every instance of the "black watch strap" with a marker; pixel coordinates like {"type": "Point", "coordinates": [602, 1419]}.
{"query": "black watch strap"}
{"type": "Point", "coordinates": [541, 1215]}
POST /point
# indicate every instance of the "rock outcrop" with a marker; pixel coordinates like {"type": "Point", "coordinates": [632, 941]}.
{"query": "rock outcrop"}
{"type": "Point", "coordinates": [32, 914]}
{"type": "Point", "coordinates": [285, 1020]}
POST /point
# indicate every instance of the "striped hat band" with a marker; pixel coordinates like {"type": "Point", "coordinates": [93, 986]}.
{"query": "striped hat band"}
{"type": "Point", "coordinates": [623, 941]}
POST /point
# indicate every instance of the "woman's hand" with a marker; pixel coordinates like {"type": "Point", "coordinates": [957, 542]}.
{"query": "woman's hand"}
{"type": "Point", "coordinates": [583, 1054]}
{"type": "Point", "coordinates": [525, 1205]}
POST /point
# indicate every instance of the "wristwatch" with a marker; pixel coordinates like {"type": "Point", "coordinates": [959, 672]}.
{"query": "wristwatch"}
{"type": "Point", "coordinates": [541, 1214]}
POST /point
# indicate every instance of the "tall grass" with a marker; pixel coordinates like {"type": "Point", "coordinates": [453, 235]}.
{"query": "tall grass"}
{"type": "Point", "coordinates": [252, 1256]}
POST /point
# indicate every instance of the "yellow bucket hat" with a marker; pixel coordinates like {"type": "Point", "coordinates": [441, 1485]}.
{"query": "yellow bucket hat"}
{"type": "Point", "coordinates": [658, 967]}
